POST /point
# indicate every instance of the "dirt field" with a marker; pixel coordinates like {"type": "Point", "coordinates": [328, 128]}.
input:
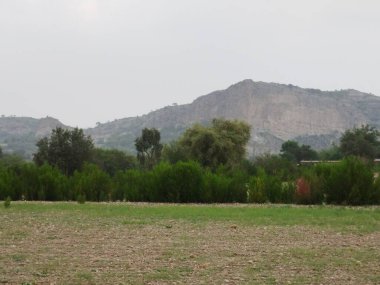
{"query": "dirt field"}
{"type": "Point", "coordinates": [74, 245]}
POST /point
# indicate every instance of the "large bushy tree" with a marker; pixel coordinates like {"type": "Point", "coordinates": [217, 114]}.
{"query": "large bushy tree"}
{"type": "Point", "coordinates": [65, 149]}
{"type": "Point", "coordinates": [292, 151]}
{"type": "Point", "coordinates": [148, 147]}
{"type": "Point", "coordinates": [112, 160]}
{"type": "Point", "coordinates": [363, 141]}
{"type": "Point", "coordinates": [224, 142]}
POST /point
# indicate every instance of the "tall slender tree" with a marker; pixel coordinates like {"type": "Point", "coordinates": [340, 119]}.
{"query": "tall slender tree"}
{"type": "Point", "coordinates": [148, 148]}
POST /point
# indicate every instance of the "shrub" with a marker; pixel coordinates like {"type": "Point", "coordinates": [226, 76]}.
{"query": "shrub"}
{"type": "Point", "coordinates": [93, 183]}
{"type": "Point", "coordinates": [376, 191]}
{"type": "Point", "coordinates": [275, 165]}
{"type": "Point", "coordinates": [52, 184]}
{"type": "Point", "coordinates": [303, 191]}
{"type": "Point", "coordinates": [216, 188]}
{"type": "Point", "coordinates": [315, 184]}
{"type": "Point", "coordinates": [181, 182]}
{"type": "Point", "coordinates": [256, 190]}
{"type": "Point", "coordinates": [128, 186]}
{"type": "Point", "coordinates": [6, 180]}
{"type": "Point", "coordinates": [350, 182]}
{"type": "Point", "coordinates": [81, 198]}
{"type": "Point", "coordinates": [165, 183]}
{"type": "Point", "coordinates": [7, 202]}
{"type": "Point", "coordinates": [238, 186]}
{"type": "Point", "coordinates": [287, 192]}
{"type": "Point", "coordinates": [188, 180]}
{"type": "Point", "coordinates": [263, 188]}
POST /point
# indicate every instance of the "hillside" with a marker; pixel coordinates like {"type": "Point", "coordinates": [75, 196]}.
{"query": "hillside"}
{"type": "Point", "coordinates": [276, 112]}
{"type": "Point", "coordinates": [20, 134]}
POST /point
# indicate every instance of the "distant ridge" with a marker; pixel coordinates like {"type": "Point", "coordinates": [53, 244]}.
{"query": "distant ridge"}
{"type": "Point", "coordinates": [20, 134]}
{"type": "Point", "coordinates": [276, 112]}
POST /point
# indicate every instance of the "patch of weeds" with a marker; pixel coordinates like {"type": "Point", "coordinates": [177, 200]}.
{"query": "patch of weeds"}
{"type": "Point", "coordinates": [42, 273]}
{"type": "Point", "coordinates": [81, 198]}
{"type": "Point", "coordinates": [17, 235]}
{"type": "Point", "coordinates": [85, 276]}
{"type": "Point", "coordinates": [166, 274]}
{"type": "Point", "coordinates": [311, 258]}
{"type": "Point", "coordinates": [18, 257]}
{"type": "Point", "coordinates": [7, 202]}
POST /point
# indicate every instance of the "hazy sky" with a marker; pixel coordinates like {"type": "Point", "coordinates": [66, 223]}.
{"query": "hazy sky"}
{"type": "Point", "coordinates": [88, 61]}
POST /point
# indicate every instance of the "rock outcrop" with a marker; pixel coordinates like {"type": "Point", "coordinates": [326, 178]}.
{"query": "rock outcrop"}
{"type": "Point", "coordinates": [276, 112]}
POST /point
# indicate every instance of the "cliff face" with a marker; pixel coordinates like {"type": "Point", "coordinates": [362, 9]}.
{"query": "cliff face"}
{"type": "Point", "coordinates": [276, 113]}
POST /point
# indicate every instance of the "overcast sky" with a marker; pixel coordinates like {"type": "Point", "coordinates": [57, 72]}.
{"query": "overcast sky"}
{"type": "Point", "coordinates": [88, 61]}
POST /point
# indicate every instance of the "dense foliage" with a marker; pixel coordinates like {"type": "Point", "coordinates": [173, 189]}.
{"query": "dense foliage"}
{"type": "Point", "coordinates": [363, 141]}
{"type": "Point", "coordinates": [66, 149]}
{"type": "Point", "coordinates": [290, 150]}
{"type": "Point", "coordinates": [350, 181]}
{"type": "Point", "coordinates": [223, 142]}
{"type": "Point", "coordinates": [206, 165]}
{"type": "Point", "coordinates": [148, 148]}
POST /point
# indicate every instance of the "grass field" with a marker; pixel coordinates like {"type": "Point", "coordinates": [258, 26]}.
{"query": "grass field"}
{"type": "Point", "coordinates": [123, 243]}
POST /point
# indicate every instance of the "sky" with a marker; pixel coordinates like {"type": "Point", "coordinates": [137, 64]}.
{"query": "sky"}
{"type": "Point", "coordinates": [89, 61]}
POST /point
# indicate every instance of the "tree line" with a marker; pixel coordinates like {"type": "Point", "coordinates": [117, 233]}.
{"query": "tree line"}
{"type": "Point", "coordinates": [207, 164]}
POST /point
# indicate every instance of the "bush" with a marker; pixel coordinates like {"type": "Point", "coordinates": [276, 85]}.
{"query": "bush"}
{"type": "Point", "coordinates": [216, 188]}
{"type": "Point", "coordinates": [6, 182]}
{"type": "Point", "coordinates": [165, 183]}
{"type": "Point", "coordinates": [128, 186]}
{"type": "Point", "coordinates": [93, 183]}
{"type": "Point", "coordinates": [7, 202]}
{"type": "Point", "coordinates": [179, 183]}
{"type": "Point", "coordinates": [188, 178]}
{"type": "Point", "coordinates": [52, 184]}
{"type": "Point", "coordinates": [303, 191]}
{"type": "Point", "coordinates": [256, 190]}
{"type": "Point", "coordinates": [264, 188]}
{"type": "Point", "coordinates": [275, 165]}
{"type": "Point", "coordinates": [350, 182]}
{"type": "Point", "coordinates": [376, 193]}
{"type": "Point", "coordinates": [238, 186]}
{"type": "Point", "coordinates": [310, 187]}
{"type": "Point", "coordinates": [81, 198]}
{"type": "Point", "coordinates": [288, 190]}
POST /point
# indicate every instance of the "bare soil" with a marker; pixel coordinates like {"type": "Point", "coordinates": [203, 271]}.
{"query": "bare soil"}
{"type": "Point", "coordinates": [41, 248]}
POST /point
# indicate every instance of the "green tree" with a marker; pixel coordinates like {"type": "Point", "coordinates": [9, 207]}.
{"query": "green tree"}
{"type": "Point", "coordinates": [112, 160]}
{"type": "Point", "coordinates": [292, 151]}
{"type": "Point", "coordinates": [363, 141]}
{"type": "Point", "coordinates": [332, 153]}
{"type": "Point", "coordinates": [65, 149]}
{"type": "Point", "coordinates": [224, 142]}
{"type": "Point", "coordinates": [276, 165]}
{"type": "Point", "coordinates": [350, 182]}
{"type": "Point", "coordinates": [174, 152]}
{"type": "Point", "coordinates": [148, 148]}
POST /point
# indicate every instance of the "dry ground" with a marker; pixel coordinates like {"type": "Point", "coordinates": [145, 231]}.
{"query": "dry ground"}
{"type": "Point", "coordinates": [74, 247]}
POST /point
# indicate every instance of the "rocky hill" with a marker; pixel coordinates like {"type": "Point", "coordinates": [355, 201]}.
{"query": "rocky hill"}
{"type": "Point", "coordinates": [20, 134]}
{"type": "Point", "coordinates": [276, 112]}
